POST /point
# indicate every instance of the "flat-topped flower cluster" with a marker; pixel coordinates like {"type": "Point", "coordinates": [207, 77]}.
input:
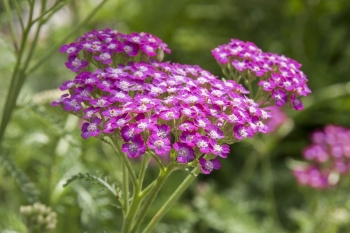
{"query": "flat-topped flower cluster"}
{"type": "Point", "coordinates": [279, 77]}
{"type": "Point", "coordinates": [109, 48]}
{"type": "Point", "coordinates": [168, 109]}
{"type": "Point", "coordinates": [328, 154]}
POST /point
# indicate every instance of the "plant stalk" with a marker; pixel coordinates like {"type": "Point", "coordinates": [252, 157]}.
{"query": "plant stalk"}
{"type": "Point", "coordinates": [173, 198]}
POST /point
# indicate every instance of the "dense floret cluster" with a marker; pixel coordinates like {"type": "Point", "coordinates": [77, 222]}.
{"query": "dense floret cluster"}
{"type": "Point", "coordinates": [329, 154]}
{"type": "Point", "coordinates": [167, 109]}
{"type": "Point", "coordinates": [109, 48]}
{"type": "Point", "coordinates": [279, 77]}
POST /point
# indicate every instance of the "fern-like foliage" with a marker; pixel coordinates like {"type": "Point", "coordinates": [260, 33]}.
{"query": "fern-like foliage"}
{"type": "Point", "coordinates": [102, 181]}
{"type": "Point", "coordinates": [27, 187]}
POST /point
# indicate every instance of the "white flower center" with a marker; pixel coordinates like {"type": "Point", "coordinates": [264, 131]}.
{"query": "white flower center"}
{"type": "Point", "coordinates": [92, 127]}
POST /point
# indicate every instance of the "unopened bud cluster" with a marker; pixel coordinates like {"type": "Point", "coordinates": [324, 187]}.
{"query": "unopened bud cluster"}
{"type": "Point", "coordinates": [39, 217]}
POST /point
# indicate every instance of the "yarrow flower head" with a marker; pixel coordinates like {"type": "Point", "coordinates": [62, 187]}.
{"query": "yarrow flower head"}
{"type": "Point", "coordinates": [328, 157]}
{"type": "Point", "coordinates": [165, 109]}
{"type": "Point", "coordinates": [105, 46]}
{"type": "Point", "coordinates": [279, 78]}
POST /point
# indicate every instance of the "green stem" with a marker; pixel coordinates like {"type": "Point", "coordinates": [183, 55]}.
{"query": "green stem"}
{"type": "Point", "coordinates": [144, 166]}
{"type": "Point", "coordinates": [55, 47]}
{"type": "Point", "coordinates": [125, 188]}
{"type": "Point", "coordinates": [54, 8]}
{"type": "Point", "coordinates": [249, 84]}
{"type": "Point", "coordinates": [147, 189]}
{"type": "Point", "coordinates": [11, 96]}
{"type": "Point", "coordinates": [129, 217]}
{"type": "Point", "coordinates": [163, 175]}
{"type": "Point", "coordinates": [9, 19]}
{"type": "Point", "coordinates": [169, 203]}
{"type": "Point", "coordinates": [19, 14]}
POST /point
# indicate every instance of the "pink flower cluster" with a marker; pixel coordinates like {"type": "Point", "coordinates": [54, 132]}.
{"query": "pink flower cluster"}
{"type": "Point", "coordinates": [278, 119]}
{"type": "Point", "coordinates": [172, 110]}
{"type": "Point", "coordinates": [328, 154]}
{"type": "Point", "coordinates": [107, 46]}
{"type": "Point", "coordinates": [279, 77]}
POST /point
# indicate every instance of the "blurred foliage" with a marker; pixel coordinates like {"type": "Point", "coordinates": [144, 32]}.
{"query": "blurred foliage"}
{"type": "Point", "coordinates": [253, 192]}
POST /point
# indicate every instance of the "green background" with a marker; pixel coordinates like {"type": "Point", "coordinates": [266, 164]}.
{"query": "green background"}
{"type": "Point", "coordinates": [254, 191]}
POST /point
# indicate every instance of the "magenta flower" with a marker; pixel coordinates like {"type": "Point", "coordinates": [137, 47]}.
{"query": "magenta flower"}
{"type": "Point", "coordinates": [135, 147]}
{"type": "Point", "coordinates": [184, 152]}
{"type": "Point", "coordinates": [105, 58]}
{"type": "Point", "coordinates": [59, 101]}
{"type": "Point", "coordinates": [84, 92]}
{"type": "Point", "coordinates": [188, 138]}
{"type": "Point", "coordinates": [220, 150]}
{"type": "Point", "coordinates": [75, 64]}
{"type": "Point", "coordinates": [162, 105]}
{"type": "Point", "coordinates": [202, 142]}
{"type": "Point", "coordinates": [161, 146]}
{"type": "Point", "coordinates": [131, 49]}
{"type": "Point", "coordinates": [68, 85]}
{"type": "Point", "coordinates": [101, 102]}
{"type": "Point", "coordinates": [241, 132]}
{"type": "Point", "coordinates": [91, 129]}
{"type": "Point", "coordinates": [128, 132]}
{"type": "Point", "coordinates": [279, 117]}
{"type": "Point", "coordinates": [90, 112]}
{"type": "Point", "coordinates": [170, 114]}
{"type": "Point", "coordinates": [122, 120]}
{"type": "Point", "coordinates": [110, 126]}
{"type": "Point", "coordinates": [240, 65]}
{"type": "Point", "coordinates": [70, 49]}
{"type": "Point", "coordinates": [313, 177]}
{"type": "Point", "coordinates": [72, 104]}
{"type": "Point", "coordinates": [207, 166]}
{"type": "Point", "coordinates": [280, 97]}
{"type": "Point", "coordinates": [328, 153]}
{"type": "Point", "coordinates": [111, 112]}
{"type": "Point", "coordinates": [187, 126]}
{"type": "Point", "coordinates": [149, 50]}
{"type": "Point", "coordinates": [296, 103]}
{"type": "Point", "coordinates": [214, 132]}
{"type": "Point", "coordinates": [277, 75]}
{"type": "Point", "coordinates": [161, 131]}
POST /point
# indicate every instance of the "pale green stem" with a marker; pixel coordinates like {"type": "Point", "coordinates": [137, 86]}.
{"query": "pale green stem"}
{"type": "Point", "coordinates": [11, 95]}
{"type": "Point", "coordinates": [9, 19]}
{"type": "Point", "coordinates": [54, 8]}
{"type": "Point", "coordinates": [129, 217]}
{"type": "Point", "coordinates": [163, 175]}
{"type": "Point", "coordinates": [250, 89]}
{"type": "Point", "coordinates": [147, 189]}
{"type": "Point", "coordinates": [19, 75]}
{"type": "Point", "coordinates": [125, 188]}
{"type": "Point", "coordinates": [19, 14]}
{"type": "Point", "coordinates": [169, 203]}
{"type": "Point", "coordinates": [144, 166]}
{"type": "Point", "coordinates": [55, 47]}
